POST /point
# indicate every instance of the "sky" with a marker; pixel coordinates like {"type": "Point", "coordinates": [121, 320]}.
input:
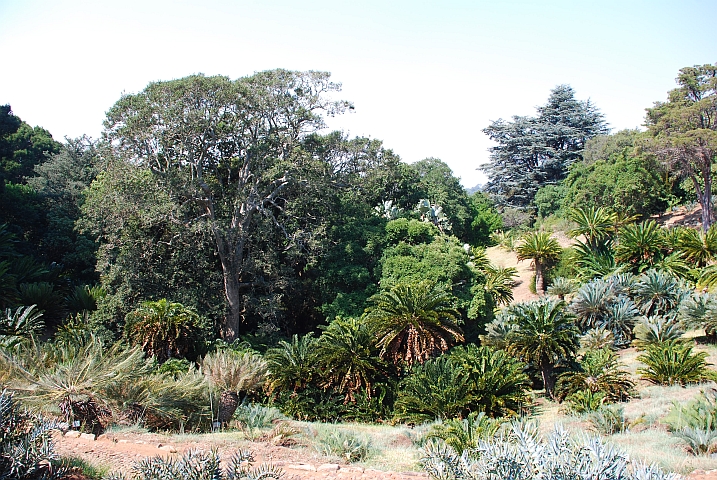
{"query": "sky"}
{"type": "Point", "coordinates": [425, 77]}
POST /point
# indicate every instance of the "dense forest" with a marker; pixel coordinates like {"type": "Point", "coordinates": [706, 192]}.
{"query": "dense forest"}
{"type": "Point", "coordinates": [218, 240]}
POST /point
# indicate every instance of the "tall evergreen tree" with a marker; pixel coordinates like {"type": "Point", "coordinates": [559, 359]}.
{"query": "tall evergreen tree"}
{"type": "Point", "coordinates": [537, 151]}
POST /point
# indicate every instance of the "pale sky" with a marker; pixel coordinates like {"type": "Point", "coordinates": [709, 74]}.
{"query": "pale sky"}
{"type": "Point", "coordinates": [425, 77]}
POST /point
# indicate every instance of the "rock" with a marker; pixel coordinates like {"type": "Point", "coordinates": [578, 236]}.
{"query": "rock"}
{"type": "Point", "coordinates": [168, 448]}
{"type": "Point", "coordinates": [328, 467]}
{"type": "Point", "coordinates": [72, 434]}
{"type": "Point", "coordinates": [302, 466]}
{"type": "Point", "coordinates": [87, 436]}
{"type": "Point", "coordinates": [124, 440]}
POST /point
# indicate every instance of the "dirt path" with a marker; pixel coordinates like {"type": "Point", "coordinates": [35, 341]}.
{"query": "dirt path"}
{"type": "Point", "coordinates": [120, 451]}
{"type": "Point", "coordinates": [501, 257]}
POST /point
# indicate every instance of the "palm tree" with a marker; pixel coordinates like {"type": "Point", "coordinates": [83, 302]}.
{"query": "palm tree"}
{"type": "Point", "coordinates": [349, 357]}
{"type": "Point", "coordinates": [412, 322]}
{"type": "Point", "coordinates": [164, 329]}
{"type": "Point", "coordinates": [544, 336]}
{"type": "Point", "coordinates": [233, 373]}
{"type": "Point", "coordinates": [543, 250]}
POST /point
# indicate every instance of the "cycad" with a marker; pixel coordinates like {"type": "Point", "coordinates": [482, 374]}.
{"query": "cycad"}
{"type": "Point", "coordinates": [657, 329]}
{"type": "Point", "coordinates": [499, 283]}
{"type": "Point", "coordinates": [640, 245]}
{"type": "Point", "coordinates": [599, 371]}
{"type": "Point", "coordinates": [591, 304]}
{"type": "Point", "coordinates": [562, 287]}
{"type": "Point", "coordinates": [699, 247]}
{"type": "Point", "coordinates": [595, 224]}
{"type": "Point", "coordinates": [232, 374]}
{"type": "Point", "coordinates": [545, 335]}
{"type": "Point", "coordinates": [413, 322]}
{"type": "Point", "coordinates": [673, 363]}
{"type": "Point", "coordinates": [349, 357]}
{"type": "Point", "coordinates": [165, 329]}
{"type": "Point", "coordinates": [18, 325]}
{"type": "Point", "coordinates": [658, 293]}
{"type": "Point", "coordinates": [465, 434]}
{"type": "Point", "coordinates": [543, 250]}
{"type": "Point", "coordinates": [292, 365]}
{"type": "Point", "coordinates": [74, 380]}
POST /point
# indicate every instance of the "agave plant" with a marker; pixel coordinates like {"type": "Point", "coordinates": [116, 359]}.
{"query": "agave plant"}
{"type": "Point", "coordinates": [200, 465]}
{"type": "Point", "coordinates": [523, 455]}
{"type": "Point", "coordinates": [26, 447]}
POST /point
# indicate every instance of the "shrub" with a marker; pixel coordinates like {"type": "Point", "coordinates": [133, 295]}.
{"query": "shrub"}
{"type": "Point", "coordinates": [200, 465]}
{"type": "Point", "coordinates": [699, 441]}
{"type": "Point", "coordinates": [584, 401]}
{"type": "Point", "coordinates": [672, 363]}
{"type": "Point", "coordinates": [656, 329]}
{"type": "Point", "coordinates": [599, 372]}
{"type": "Point", "coordinates": [338, 443]}
{"type": "Point", "coordinates": [26, 448]}
{"type": "Point", "coordinates": [254, 417]}
{"type": "Point", "coordinates": [464, 434]}
{"type": "Point", "coordinates": [608, 420]}
{"type": "Point", "coordinates": [523, 455]}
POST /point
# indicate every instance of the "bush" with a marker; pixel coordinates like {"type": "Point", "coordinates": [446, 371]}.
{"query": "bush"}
{"type": "Point", "coordinates": [338, 443]}
{"type": "Point", "coordinates": [200, 465]}
{"type": "Point", "coordinates": [584, 401]}
{"type": "Point", "coordinates": [608, 420]}
{"type": "Point", "coordinates": [26, 448]}
{"type": "Point", "coordinates": [523, 455]}
{"type": "Point", "coordinates": [465, 434]}
{"type": "Point", "coordinates": [673, 363]}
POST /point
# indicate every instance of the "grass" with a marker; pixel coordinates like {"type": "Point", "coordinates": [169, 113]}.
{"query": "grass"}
{"type": "Point", "coordinates": [89, 470]}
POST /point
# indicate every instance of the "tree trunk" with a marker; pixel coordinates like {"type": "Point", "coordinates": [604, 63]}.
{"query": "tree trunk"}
{"type": "Point", "coordinates": [228, 403]}
{"type": "Point", "coordinates": [539, 281]}
{"type": "Point", "coordinates": [704, 198]}
{"type": "Point", "coordinates": [547, 373]}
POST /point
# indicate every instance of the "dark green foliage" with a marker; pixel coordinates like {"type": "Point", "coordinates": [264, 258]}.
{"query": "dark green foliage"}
{"type": "Point", "coordinates": [584, 401]}
{"type": "Point", "coordinates": [537, 151]}
{"type": "Point", "coordinates": [543, 334]}
{"type": "Point", "coordinates": [348, 357]}
{"type": "Point", "coordinates": [598, 372]}
{"type": "Point", "coordinates": [465, 434]}
{"type": "Point", "coordinates": [166, 330]}
{"type": "Point", "coordinates": [26, 446]}
{"type": "Point", "coordinates": [614, 176]}
{"type": "Point", "coordinates": [549, 200]}
{"type": "Point", "coordinates": [414, 321]}
{"type": "Point", "coordinates": [469, 379]}
{"type": "Point", "coordinates": [682, 131]}
{"type": "Point", "coordinates": [486, 220]}
{"type": "Point", "coordinates": [673, 363]}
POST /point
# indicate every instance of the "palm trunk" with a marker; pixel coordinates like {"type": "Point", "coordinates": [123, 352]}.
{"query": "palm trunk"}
{"type": "Point", "coordinates": [547, 373]}
{"type": "Point", "coordinates": [228, 403]}
{"type": "Point", "coordinates": [539, 280]}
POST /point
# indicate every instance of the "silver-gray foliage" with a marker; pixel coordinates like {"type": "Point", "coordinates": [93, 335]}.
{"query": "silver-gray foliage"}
{"type": "Point", "coordinates": [200, 465]}
{"type": "Point", "coordinates": [26, 447]}
{"type": "Point", "coordinates": [522, 455]}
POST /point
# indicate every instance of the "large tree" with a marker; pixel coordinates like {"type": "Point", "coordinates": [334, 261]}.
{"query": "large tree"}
{"type": "Point", "coordinates": [537, 151]}
{"type": "Point", "coordinates": [228, 153]}
{"type": "Point", "coordinates": [684, 131]}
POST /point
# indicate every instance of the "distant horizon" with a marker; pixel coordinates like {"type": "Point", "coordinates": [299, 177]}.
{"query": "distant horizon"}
{"type": "Point", "coordinates": [425, 79]}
